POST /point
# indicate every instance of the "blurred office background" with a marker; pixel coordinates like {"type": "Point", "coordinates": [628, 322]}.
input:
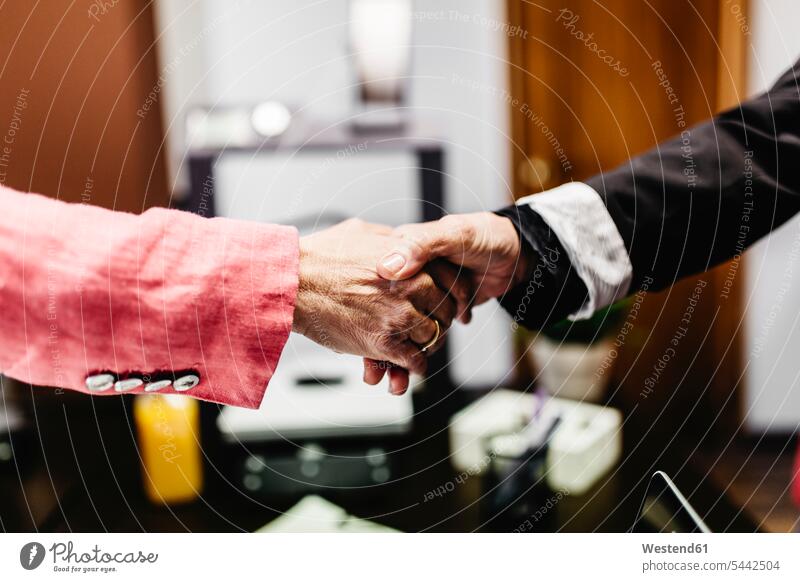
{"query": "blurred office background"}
{"type": "Point", "coordinates": [133, 104]}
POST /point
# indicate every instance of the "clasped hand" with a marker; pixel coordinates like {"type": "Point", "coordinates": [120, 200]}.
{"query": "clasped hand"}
{"type": "Point", "coordinates": [386, 294]}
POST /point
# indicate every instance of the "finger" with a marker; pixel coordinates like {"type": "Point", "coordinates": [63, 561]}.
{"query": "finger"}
{"type": "Point", "coordinates": [457, 283]}
{"type": "Point", "coordinates": [398, 380]}
{"type": "Point", "coordinates": [424, 294]}
{"type": "Point", "coordinates": [407, 355]}
{"type": "Point", "coordinates": [374, 370]}
{"type": "Point", "coordinates": [421, 243]}
{"type": "Point", "coordinates": [423, 331]}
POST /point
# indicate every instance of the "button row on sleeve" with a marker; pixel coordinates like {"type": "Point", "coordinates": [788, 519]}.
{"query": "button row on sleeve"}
{"type": "Point", "coordinates": [104, 382]}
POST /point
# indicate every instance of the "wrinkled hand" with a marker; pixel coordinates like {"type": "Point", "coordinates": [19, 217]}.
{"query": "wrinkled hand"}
{"type": "Point", "coordinates": [343, 304]}
{"type": "Point", "coordinates": [484, 245]}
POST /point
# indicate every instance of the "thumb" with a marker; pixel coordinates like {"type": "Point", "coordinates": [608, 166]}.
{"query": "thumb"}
{"type": "Point", "coordinates": [421, 243]}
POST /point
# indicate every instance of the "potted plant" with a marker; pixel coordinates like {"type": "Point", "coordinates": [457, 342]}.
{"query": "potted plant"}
{"type": "Point", "coordinates": [574, 359]}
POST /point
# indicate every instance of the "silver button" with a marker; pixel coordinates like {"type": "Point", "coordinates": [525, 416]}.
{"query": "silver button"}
{"type": "Point", "coordinates": [99, 382]}
{"type": "Point", "coordinates": [127, 384]}
{"type": "Point", "coordinates": [157, 385]}
{"type": "Point", "coordinates": [186, 382]}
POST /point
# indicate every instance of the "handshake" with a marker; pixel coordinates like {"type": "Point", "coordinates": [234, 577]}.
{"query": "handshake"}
{"type": "Point", "coordinates": [391, 294]}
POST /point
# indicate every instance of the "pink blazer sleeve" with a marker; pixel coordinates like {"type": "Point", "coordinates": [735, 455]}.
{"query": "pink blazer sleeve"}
{"type": "Point", "coordinates": [107, 302]}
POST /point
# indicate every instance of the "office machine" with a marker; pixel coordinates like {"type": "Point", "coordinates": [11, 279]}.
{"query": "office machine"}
{"type": "Point", "coordinates": [317, 394]}
{"type": "Point", "coordinates": [319, 426]}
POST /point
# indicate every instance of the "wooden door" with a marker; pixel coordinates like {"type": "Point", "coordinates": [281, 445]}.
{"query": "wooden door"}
{"type": "Point", "coordinates": [595, 82]}
{"type": "Point", "coordinates": [79, 90]}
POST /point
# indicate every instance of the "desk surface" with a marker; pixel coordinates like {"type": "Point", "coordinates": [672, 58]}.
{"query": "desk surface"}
{"type": "Point", "coordinates": [83, 475]}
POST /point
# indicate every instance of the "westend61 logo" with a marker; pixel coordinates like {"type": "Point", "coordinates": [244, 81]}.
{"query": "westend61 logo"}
{"type": "Point", "coordinates": [67, 559]}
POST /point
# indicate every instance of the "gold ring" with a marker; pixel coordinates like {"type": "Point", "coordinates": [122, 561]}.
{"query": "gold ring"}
{"type": "Point", "coordinates": [433, 340]}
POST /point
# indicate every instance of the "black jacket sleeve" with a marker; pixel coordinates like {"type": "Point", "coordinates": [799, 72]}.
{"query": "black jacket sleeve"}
{"type": "Point", "coordinates": [706, 195]}
{"type": "Point", "coordinates": [685, 206]}
{"type": "Point", "coordinates": [552, 289]}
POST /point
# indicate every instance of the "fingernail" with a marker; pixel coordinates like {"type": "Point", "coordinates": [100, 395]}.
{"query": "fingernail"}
{"type": "Point", "coordinates": [394, 262]}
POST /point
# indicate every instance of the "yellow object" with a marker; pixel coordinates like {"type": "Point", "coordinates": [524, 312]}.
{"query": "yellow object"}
{"type": "Point", "coordinates": [168, 426]}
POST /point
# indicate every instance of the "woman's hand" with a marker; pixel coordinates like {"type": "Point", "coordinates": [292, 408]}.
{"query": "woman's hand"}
{"type": "Point", "coordinates": [343, 304]}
